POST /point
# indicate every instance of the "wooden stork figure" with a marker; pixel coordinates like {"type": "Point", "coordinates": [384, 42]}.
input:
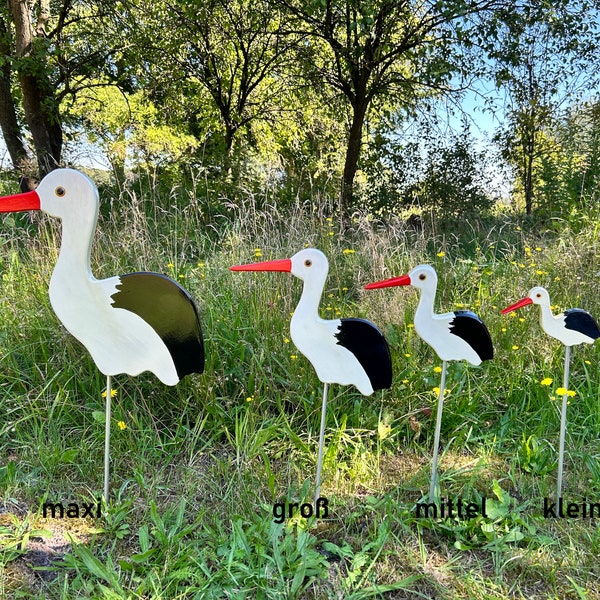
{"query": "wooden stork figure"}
{"type": "Point", "coordinates": [128, 323]}
{"type": "Point", "coordinates": [455, 335]}
{"type": "Point", "coordinates": [344, 351]}
{"type": "Point", "coordinates": [572, 327]}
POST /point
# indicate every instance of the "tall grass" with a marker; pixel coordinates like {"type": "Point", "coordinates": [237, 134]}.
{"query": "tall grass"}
{"type": "Point", "coordinates": [198, 467]}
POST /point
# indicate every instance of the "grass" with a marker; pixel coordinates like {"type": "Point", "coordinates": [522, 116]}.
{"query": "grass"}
{"type": "Point", "coordinates": [199, 466]}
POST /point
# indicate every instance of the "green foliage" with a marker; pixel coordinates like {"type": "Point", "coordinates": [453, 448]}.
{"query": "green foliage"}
{"type": "Point", "coordinates": [436, 176]}
{"type": "Point", "coordinates": [198, 467]}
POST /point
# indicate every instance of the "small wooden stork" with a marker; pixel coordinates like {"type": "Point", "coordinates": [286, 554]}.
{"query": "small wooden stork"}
{"type": "Point", "coordinates": [128, 323]}
{"type": "Point", "coordinates": [455, 335]}
{"type": "Point", "coordinates": [571, 327]}
{"type": "Point", "coordinates": [345, 351]}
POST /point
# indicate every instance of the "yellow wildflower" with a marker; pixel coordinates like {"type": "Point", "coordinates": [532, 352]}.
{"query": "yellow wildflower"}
{"type": "Point", "coordinates": [121, 425]}
{"type": "Point", "coordinates": [546, 381]}
{"type": "Point", "coordinates": [561, 391]}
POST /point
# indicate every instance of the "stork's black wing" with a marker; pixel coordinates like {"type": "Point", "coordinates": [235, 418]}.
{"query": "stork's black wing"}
{"type": "Point", "coordinates": [371, 349]}
{"type": "Point", "coordinates": [468, 326]}
{"type": "Point", "coordinates": [580, 320]}
{"type": "Point", "coordinates": [170, 311]}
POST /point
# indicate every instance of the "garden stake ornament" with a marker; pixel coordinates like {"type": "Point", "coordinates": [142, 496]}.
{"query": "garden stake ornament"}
{"type": "Point", "coordinates": [129, 323]}
{"type": "Point", "coordinates": [572, 327]}
{"type": "Point", "coordinates": [344, 351]}
{"type": "Point", "coordinates": [455, 335]}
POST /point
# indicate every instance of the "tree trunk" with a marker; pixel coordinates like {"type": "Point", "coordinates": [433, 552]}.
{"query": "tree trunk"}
{"type": "Point", "coordinates": [39, 103]}
{"type": "Point", "coordinates": [11, 130]}
{"type": "Point", "coordinates": [352, 155]}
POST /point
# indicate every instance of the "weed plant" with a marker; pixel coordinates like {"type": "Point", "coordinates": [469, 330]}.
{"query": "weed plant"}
{"type": "Point", "coordinates": [197, 468]}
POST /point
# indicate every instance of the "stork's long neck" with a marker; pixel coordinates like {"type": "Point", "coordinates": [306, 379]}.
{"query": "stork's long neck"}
{"type": "Point", "coordinates": [74, 256]}
{"type": "Point", "coordinates": [546, 316]}
{"type": "Point", "coordinates": [308, 306]}
{"type": "Point", "coordinates": [424, 311]}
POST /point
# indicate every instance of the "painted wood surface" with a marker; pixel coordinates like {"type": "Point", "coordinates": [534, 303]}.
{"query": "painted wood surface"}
{"type": "Point", "coordinates": [343, 351]}
{"type": "Point", "coordinates": [458, 335]}
{"type": "Point", "coordinates": [130, 323]}
{"type": "Point", "coordinates": [572, 327]}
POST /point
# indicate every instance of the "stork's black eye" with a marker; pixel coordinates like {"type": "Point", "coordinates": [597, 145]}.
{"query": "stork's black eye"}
{"type": "Point", "coordinates": [60, 191]}
{"type": "Point", "coordinates": [308, 262]}
{"type": "Point", "coordinates": [422, 277]}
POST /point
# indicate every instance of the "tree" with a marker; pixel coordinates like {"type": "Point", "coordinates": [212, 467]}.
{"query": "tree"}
{"type": "Point", "coordinates": [379, 51]}
{"type": "Point", "coordinates": [543, 57]}
{"type": "Point", "coordinates": [229, 50]}
{"type": "Point", "coordinates": [129, 129]}
{"type": "Point", "coordinates": [52, 47]}
{"type": "Point", "coordinates": [442, 174]}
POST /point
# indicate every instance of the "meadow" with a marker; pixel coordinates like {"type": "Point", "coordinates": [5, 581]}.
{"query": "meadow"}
{"type": "Point", "coordinates": [196, 469]}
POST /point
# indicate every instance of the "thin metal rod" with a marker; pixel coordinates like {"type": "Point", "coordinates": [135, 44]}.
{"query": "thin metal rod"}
{"type": "Point", "coordinates": [563, 424]}
{"type": "Point", "coordinates": [438, 428]}
{"type": "Point", "coordinates": [107, 439]}
{"type": "Point", "coordinates": [321, 442]}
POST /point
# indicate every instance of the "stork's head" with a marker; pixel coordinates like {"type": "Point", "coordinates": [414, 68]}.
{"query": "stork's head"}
{"type": "Point", "coordinates": [63, 193]}
{"type": "Point", "coordinates": [422, 277]}
{"type": "Point", "coordinates": [308, 264]}
{"type": "Point", "coordinates": [537, 295]}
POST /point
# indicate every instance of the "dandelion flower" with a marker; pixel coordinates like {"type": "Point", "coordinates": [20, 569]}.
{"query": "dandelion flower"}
{"type": "Point", "coordinates": [113, 393]}
{"type": "Point", "coordinates": [171, 266]}
{"type": "Point", "coordinates": [441, 254]}
{"type": "Point", "coordinates": [348, 251]}
{"type": "Point", "coordinates": [546, 381]}
{"type": "Point", "coordinates": [437, 369]}
{"type": "Point", "coordinates": [561, 391]}
{"type": "Point", "coordinates": [122, 425]}
{"type": "Point", "coordinates": [515, 347]}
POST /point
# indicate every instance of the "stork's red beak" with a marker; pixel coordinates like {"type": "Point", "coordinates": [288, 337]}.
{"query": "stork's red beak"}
{"type": "Point", "coordinates": [394, 281]}
{"type": "Point", "coordinates": [519, 304]}
{"type": "Point", "coordinates": [19, 202]}
{"type": "Point", "coordinates": [268, 265]}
